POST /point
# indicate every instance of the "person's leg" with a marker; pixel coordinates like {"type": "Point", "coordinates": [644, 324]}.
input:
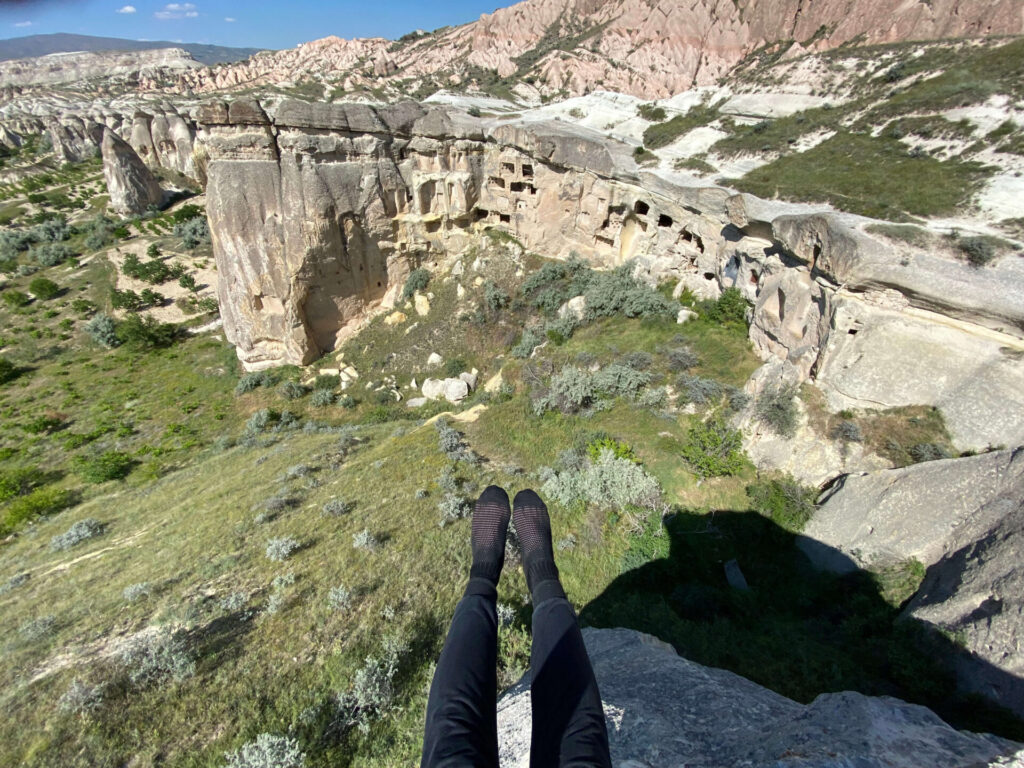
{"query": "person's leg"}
{"type": "Point", "coordinates": [568, 719]}
{"type": "Point", "coordinates": [461, 725]}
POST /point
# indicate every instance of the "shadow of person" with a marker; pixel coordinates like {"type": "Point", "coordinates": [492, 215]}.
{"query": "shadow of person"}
{"type": "Point", "coordinates": [795, 630]}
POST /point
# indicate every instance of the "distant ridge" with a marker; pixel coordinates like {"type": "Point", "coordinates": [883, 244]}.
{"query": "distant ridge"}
{"type": "Point", "coordinates": [31, 46]}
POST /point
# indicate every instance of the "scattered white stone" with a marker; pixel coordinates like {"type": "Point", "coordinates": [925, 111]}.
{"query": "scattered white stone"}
{"type": "Point", "coordinates": [470, 377]}
{"type": "Point", "coordinates": [413, 384]}
{"type": "Point", "coordinates": [416, 402]}
{"type": "Point", "coordinates": [460, 291]}
{"type": "Point", "coordinates": [457, 269]}
{"type": "Point", "coordinates": [330, 371]}
{"type": "Point", "coordinates": [455, 390]}
{"type": "Point", "coordinates": [422, 304]}
{"type": "Point", "coordinates": [411, 327]}
{"type": "Point", "coordinates": [434, 359]}
{"type": "Point", "coordinates": [433, 388]}
{"type": "Point", "coordinates": [685, 315]}
{"type": "Point", "coordinates": [575, 306]}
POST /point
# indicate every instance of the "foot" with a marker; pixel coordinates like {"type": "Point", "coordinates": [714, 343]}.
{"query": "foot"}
{"type": "Point", "coordinates": [533, 526]}
{"type": "Point", "coordinates": [490, 523]}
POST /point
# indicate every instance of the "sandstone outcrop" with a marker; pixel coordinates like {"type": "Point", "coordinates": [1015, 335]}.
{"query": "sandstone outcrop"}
{"type": "Point", "coordinates": [641, 47]}
{"type": "Point", "coordinates": [131, 185]}
{"type": "Point", "coordinates": [341, 201]}
{"type": "Point", "coordinates": [663, 710]}
{"type": "Point", "coordinates": [161, 64]}
{"type": "Point", "coordinates": [964, 520]}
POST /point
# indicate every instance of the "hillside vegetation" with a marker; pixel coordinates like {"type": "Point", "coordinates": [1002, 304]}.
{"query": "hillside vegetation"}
{"type": "Point", "coordinates": [193, 556]}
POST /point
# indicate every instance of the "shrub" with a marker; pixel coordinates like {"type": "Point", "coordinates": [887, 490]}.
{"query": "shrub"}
{"type": "Point", "coordinates": [188, 282]}
{"type": "Point", "coordinates": [267, 751]}
{"type": "Point", "coordinates": [281, 549]}
{"type": "Point", "coordinates": [103, 330]}
{"type": "Point", "coordinates": [135, 592]}
{"type": "Point", "coordinates": [619, 449]}
{"type": "Point", "coordinates": [259, 421]}
{"type": "Point", "coordinates": [776, 409]}
{"type": "Point", "coordinates": [651, 112]}
{"type": "Point", "coordinates": [607, 482]}
{"type": "Point", "coordinates": [15, 299]}
{"type": "Point", "coordinates": [978, 250]}
{"type": "Point", "coordinates": [18, 482]}
{"type": "Point", "coordinates": [291, 390]}
{"type": "Point", "coordinates": [847, 432]}
{"type": "Point", "coordinates": [99, 233]}
{"type": "Point", "coordinates": [127, 299]}
{"type": "Point", "coordinates": [109, 465]}
{"type": "Point", "coordinates": [321, 398]}
{"type": "Point", "coordinates": [83, 530]}
{"type": "Point", "coordinates": [8, 370]}
{"type": "Point", "coordinates": [449, 440]}
{"type": "Point", "coordinates": [337, 508]}
{"type": "Point", "coordinates": [729, 309]}
{"type": "Point", "coordinates": [326, 381]}
{"type": "Point", "coordinates": [155, 658]}
{"type": "Point", "coordinates": [569, 391]}
{"type": "Point", "coordinates": [339, 599]}
{"type": "Point", "coordinates": [929, 452]}
{"type": "Point", "coordinates": [52, 230]}
{"type": "Point", "coordinates": [418, 280]}
{"type": "Point", "coordinates": [51, 254]}
{"type": "Point", "coordinates": [712, 449]}
{"type": "Point", "coordinates": [38, 503]}
{"type": "Point", "coordinates": [38, 628]}
{"type": "Point", "coordinates": [83, 306]}
{"type": "Point", "coordinates": [250, 381]}
{"type": "Point", "coordinates": [453, 508]}
{"type": "Point", "coordinates": [788, 504]}
{"type": "Point", "coordinates": [193, 232]}
{"type": "Point", "coordinates": [44, 288]}
{"type": "Point", "coordinates": [153, 251]}
{"type": "Point", "coordinates": [372, 693]}
{"type": "Point", "coordinates": [618, 292]}
{"type": "Point", "coordinates": [81, 699]}
{"type": "Point", "coordinates": [13, 583]}
{"type": "Point", "coordinates": [495, 297]}
{"type": "Point", "coordinates": [141, 334]}
{"type": "Point", "coordinates": [234, 602]}
{"type": "Point", "coordinates": [365, 540]}
{"type": "Point", "coordinates": [620, 381]}
{"type": "Point", "coordinates": [530, 340]}
{"type": "Point", "coordinates": [638, 360]}
{"type": "Point", "coordinates": [699, 390]}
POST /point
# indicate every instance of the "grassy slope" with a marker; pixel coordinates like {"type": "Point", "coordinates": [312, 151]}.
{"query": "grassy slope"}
{"type": "Point", "coordinates": [185, 521]}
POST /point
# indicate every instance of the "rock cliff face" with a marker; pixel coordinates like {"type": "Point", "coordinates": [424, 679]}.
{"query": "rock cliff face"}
{"type": "Point", "coordinates": [964, 520]}
{"type": "Point", "coordinates": [663, 710]}
{"type": "Point", "coordinates": [648, 48]}
{"type": "Point", "coordinates": [57, 68]}
{"type": "Point", "coordinates": [318, 212]}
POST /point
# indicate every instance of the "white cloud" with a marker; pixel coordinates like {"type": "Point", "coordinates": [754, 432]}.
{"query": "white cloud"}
{"type": "Point", "coordinates": [177, 11]}
{"type": "Point", "coordinates": [126, 9]}
{"type": "Point", "coordinates": [23, 23]}
{"type": "Point", "coordinates": [229, 19]}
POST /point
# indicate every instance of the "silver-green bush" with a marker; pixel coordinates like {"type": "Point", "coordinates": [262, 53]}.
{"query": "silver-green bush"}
{"type": "Point", "coordinates": [267, 751]}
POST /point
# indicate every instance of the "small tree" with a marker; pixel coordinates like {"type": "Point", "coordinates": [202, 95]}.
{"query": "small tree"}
{"type": "Point", "coordinates": [188, 282]}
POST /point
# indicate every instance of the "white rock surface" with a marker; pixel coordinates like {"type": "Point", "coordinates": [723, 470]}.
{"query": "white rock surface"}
{"type": "Point", "coordinates": [664, 711]}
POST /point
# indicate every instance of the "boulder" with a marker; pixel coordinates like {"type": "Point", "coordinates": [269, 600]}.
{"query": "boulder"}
{"type": "Point", "coordinates": [470, 378]}
{"type": "Point", "coordinates": [395, 318]}
{"type": "Point", "coordinates": [455, 390]}
{"type": "Point", "coordinates": [422, 304]}
{"type": "Point", "coordinates": [434, 360]}
{"type": "Point", "coordinates": [433, 388]}
{"type": "Point", "coordinates": [131, 185]}
{"type": "Point", "coordinates": [964, 520]}
{"type": "Point", "coordinates": [574, 307]}
{"type": "Point", "coordinates": [685, 315]}
{"type": "Point", "coordinates": [416, 402]}
{"type": "Point", "coordinates": [665, 711]}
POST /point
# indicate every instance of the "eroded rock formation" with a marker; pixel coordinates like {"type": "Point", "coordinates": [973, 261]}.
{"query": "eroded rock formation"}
{"type": "Point", "coordinates": [319, 211]}
{"type": "Point", "coordinates": [647, 48]}
{"type": "Point", "coordinates": [130, 184]}
{"type": "Point", "coordinates": [663, 710]}
{"type": "Point", "coordinates": [964, 520]}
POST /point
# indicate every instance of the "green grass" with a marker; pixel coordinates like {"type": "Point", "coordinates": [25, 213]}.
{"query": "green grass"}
{"type": "Point", "coordinates": [662, 134]}
{"type": "Point", "coordinates": [903, 233]}
{"type": "Point", "coordinates": [694, 164]}
{"type": "Point", "coordinates": [874, 177]}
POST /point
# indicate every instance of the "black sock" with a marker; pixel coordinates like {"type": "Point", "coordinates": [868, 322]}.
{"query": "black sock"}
{"type": "Point", "coordinates": [534, 530]}
{"type": "Point", "coordinates": [490, 523]}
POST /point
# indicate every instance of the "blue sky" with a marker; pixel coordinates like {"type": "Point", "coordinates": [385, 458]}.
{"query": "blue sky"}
{"type": "Point", "coordinates": [280, 24]}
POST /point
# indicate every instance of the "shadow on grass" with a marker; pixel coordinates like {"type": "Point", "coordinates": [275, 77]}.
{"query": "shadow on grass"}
{"type": "Point", "coordinates": [796, 631]}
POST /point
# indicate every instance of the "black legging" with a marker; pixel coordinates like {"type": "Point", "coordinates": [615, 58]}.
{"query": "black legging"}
{"type": "Point", "coordinates": [568, 720]}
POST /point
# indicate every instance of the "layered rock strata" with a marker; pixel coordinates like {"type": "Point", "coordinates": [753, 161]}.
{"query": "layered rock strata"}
{"type": "Point", "coordinates": [318, 212]}
{"type": "Point", "coordinates": [663, 710]}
